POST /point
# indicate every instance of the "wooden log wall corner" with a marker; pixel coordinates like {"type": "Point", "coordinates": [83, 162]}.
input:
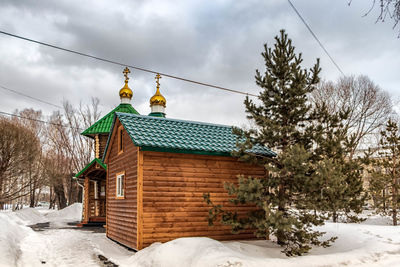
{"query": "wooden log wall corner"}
{"type": "Point", "coordinates": [140, 200]}
{"type": "Point", "coordinates": [86, 201]}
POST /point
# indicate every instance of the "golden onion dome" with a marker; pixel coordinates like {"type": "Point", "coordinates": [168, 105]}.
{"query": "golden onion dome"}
{"type": "Point", "coordinates": [126, 91]}
{"type": "Point", "coordinates": [158, 98]}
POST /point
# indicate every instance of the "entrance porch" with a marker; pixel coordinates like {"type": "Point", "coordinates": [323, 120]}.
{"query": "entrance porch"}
{"type": "Point", "coordinates": [93, 178]}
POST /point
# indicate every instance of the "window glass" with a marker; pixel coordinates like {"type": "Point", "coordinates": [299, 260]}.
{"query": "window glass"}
{"type": "Point", "coordinates": [120, 185]}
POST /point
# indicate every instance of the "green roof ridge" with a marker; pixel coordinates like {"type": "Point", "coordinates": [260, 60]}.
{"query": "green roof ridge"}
{"type": "Point", "coordinates": [181, 136]}
{"type": "Point", "coordinates": [90, 164]}
{"type": "Point", "coordinates": [177, 120]}
{"type": "Point", "coordinates": [104, 124]}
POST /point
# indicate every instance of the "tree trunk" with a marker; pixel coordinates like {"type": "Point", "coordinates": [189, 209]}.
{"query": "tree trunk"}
{"type": "Point", "coordinates": [394, 193]}
{"type": "Point", "coordinates": [37, 198]}
{"type": "Point", "coordinates": [394, 200]}
{"type": "Point", "coordinates": [334, 217]}
{"type": "Point", "coordinates": [60, 196]}
{"type": "Point", "coordinates": [32, 197]}
{"type": "Point", "coordinates": [384, 200]}
{"type": "Point", "coordinates": [280, 234]}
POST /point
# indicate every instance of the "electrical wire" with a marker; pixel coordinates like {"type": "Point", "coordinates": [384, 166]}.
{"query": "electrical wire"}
{"type": "Point", "coordinates": [126, 65]}
{"type": "Point", "coordinates": [31, 97]}
{"type": "Point", "coordinates": [315, 37]}
{"type": "Point", "coordinates": [41, 121]}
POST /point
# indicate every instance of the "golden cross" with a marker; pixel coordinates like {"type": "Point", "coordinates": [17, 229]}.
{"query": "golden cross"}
{"type": "Point", "coordinates": [126, 72]}
{"type": "Point", "coordinates": [158, 77]}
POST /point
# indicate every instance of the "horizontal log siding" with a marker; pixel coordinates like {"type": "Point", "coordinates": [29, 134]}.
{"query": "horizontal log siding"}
{"type": "Point", "coordinates": [173, 188]}
{"type": "Point", "coordinates": [122, 213]}
{"type": "Point", "coordinates": [102, 143]}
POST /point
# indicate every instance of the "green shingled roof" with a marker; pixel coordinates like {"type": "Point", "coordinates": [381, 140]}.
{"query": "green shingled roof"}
{"type": "Point", "coordinates": [96, 160]}
{"type": "Point", "coordinates": [104, 124]}
{"type": "Point", "coordinates": [171, 135]}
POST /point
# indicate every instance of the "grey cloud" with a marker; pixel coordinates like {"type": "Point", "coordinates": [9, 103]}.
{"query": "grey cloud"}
{"type": "Point", "coordinates": [216, 42]}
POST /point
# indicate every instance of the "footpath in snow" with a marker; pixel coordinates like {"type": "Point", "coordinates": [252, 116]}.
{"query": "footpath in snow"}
{"type": "Point", "coordinates": [59, 245]}
{"type": "Point", "coordinates": [372, 243]}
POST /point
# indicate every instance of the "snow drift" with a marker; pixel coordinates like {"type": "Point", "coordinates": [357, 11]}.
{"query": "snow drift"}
{"type": "Point", "coordinates": [69, 214]}
{"type": "Point", "coordinates": [357, 245]}
{"type": "Point", "coordinates": [12, 232]}
{"type": "Point", "coordinates": [372, 243]}
{"type": "Point", "coordinates": [13, 228]}
{"type": "Point", "coordinates": [29, 216]}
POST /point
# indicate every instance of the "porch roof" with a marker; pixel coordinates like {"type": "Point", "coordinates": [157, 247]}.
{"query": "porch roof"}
{"type": "Point", "coordinates": [87, 167]}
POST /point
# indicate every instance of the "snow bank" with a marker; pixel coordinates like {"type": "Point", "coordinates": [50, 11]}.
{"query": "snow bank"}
{"type": "Point", "coordinates": [357, 245]}
{"type": "Point", "coordinates": [29, 216]}
{"type": "Point", "coordinates": [11, 234]}
{"type": "Point", "coordinates": [69, 214]}
{"type": "Point", "coordinates": [376, 219]}
{"type": "Point", "coordinates": [196, 251]}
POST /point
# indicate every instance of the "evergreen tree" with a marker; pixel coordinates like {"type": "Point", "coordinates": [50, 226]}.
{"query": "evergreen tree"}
{"type": "Point", "coordinates": [284, 123]}
{"type": "Point", "coordinates": [384, 181]}
{"type": "Point", "coordinates": [338, 175]}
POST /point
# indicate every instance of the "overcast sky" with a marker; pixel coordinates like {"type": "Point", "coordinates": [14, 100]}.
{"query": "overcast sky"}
{"type": "Point", "coordinates": [217, 42]}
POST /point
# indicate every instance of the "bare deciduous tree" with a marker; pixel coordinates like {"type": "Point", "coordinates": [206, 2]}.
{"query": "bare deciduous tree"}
{"type": "Point", "coordinates": [68, 146]}
{"type": "Point", "coordinates": [19, 147]}
{"type": "Point", "coordinates": [368, 104]}
{"type": "Point", "coordinates": [387, 9]}
{"type": "Point", "coordinates": [30, 119]}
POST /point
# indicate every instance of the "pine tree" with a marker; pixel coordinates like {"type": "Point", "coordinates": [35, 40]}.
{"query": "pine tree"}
{"type": "Point", "coordinates": [283, 122]}
{"type": "Point", "coordinates": [338, 175]}
{"type": "Point", "coordinates": [384, 181]}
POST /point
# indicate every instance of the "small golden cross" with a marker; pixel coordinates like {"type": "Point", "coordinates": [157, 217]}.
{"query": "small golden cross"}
{"type": "Point", "coordinates": [158, 77]}
{"type": "Point", "coordinates": [126, 72]}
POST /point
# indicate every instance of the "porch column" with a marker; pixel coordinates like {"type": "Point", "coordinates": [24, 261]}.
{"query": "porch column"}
{"type": "Point", "coordinates": [86, 208]}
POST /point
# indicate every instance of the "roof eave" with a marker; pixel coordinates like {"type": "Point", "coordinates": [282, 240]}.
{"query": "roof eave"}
{"type": "Point", "coordinates": [109, 137]}
{"type": "Point", "coordinates": [96, 160]}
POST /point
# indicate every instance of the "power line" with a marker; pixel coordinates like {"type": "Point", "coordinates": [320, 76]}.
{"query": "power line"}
{"type": "Point", "coordinates": [41, 121]}
{"type": "Point", "coordinates": [315, 37]}
{"type": "Point", "coordinates": [126, 65]}
{"type": "Point", "coordinates": [28, 96]}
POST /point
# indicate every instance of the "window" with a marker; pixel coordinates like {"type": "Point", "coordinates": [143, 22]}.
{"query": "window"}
{"type": "Point", "coordinates": [120, 139]}
{"type": "Point", "coordinates": [96, 191]}
{"type": "Point", "coordinates": [120, 185]}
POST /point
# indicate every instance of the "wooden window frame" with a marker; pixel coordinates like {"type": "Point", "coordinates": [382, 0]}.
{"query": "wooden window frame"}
{"type": "Point", "coordinates": [120, 132]}
{"type": "Point", "coordinates": [117, 196]}
{"type": "Point", "coordinates": [96, 190]}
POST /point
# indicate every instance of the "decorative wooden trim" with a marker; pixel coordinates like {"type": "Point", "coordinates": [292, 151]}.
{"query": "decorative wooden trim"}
{"type": "Point", "coordinates": [97, 146]}
{"type": "Point", "coordinates": [86, 200]}
{"type": "Point", "coordinates": [139, 193]}
{"type": "Point", "coordinates": [120, 132]}
{"type": "Point", "coordinates": [111, 138]}
{"type": "Point", "coordinates": [116, 185]}
{"type": "Point", "coordinates": [107, 178]}
{"type": "Point", "coordinates": [186, 151]}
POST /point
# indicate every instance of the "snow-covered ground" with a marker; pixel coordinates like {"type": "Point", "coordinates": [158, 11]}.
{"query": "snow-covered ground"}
{"type": "Point", "coordinates": [60, 245]}
{"type": "Point", "coordinates": [371, 243]}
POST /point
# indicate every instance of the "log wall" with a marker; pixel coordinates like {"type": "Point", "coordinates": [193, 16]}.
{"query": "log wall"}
{"type": "Point", "coordinates": [102, 144]}
{"type": "Point", "coordinates": [121, 214]}
{"type": "Point", "coordinates": [173, 188]}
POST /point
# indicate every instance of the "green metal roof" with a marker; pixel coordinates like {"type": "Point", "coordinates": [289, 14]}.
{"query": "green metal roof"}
{"type": "Point", "coordinates": [157, 114]}
{"type": "Point", "coordinates": [171, 135]}
{"type": "Point", "coordinates": [96, 160]}
{"type": "Point", "coordinates": [104, 124]}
